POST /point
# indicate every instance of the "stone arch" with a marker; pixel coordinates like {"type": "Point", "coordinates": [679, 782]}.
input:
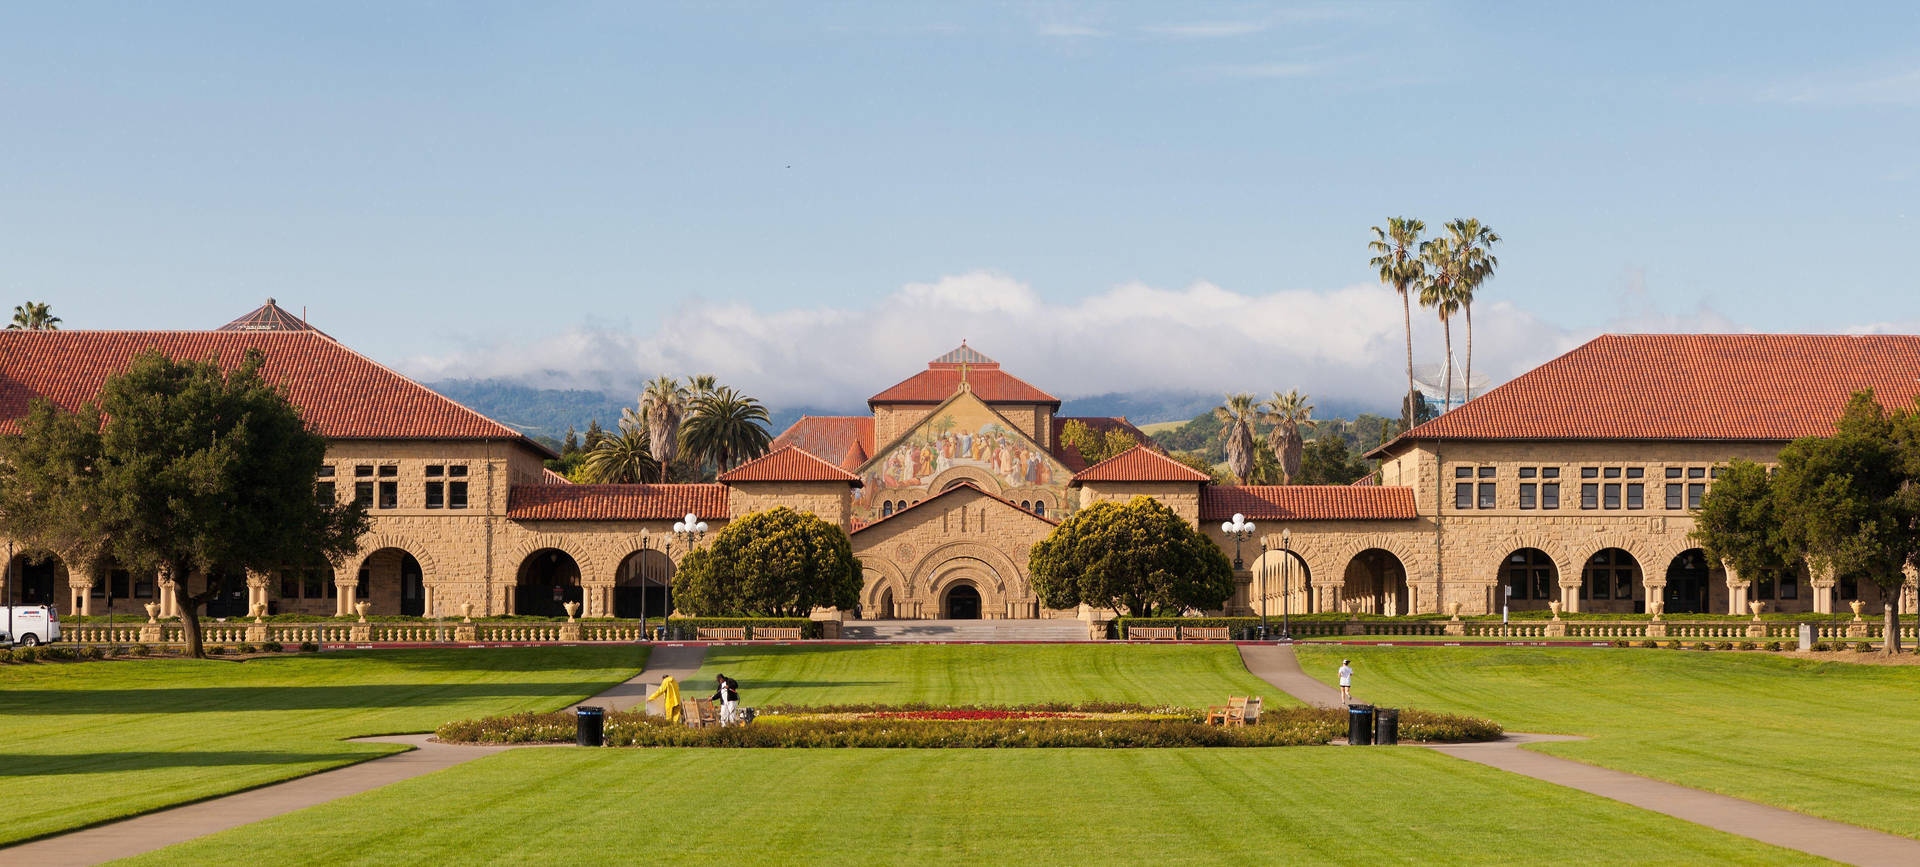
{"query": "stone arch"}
{"type": "Point", "coordinates": [373, 544]}
{"type": "Point", "coordinates": [1002, 565]}
{"type": "Point", "coordinates": [1393, 543]}
{"type": "Point", "coordinates": [643, 584]}
{"type": "Point", "coordinates": [966, 572]}
{"type": "Point", "coordinates": [517, 555]}
{"type": "Point", "coordinates": [1553, 548]}
{"type": "Point", "coordinates": [979, 477]}
{"type": "Point", "coordinates": [1603, 575]}
{"type": "Point", "coordinates": [545, 579]}
{"type": "Point", "coordinates": [1281, 581]}
{"type": "Point", "coordinates": [1520, 570]}
{"type": "Point", "coordinates": [1001, 581]}
{"type": "Point", "coordinates": [880, 576]}
{"type": "Point", "coordinates": [1386, 588]}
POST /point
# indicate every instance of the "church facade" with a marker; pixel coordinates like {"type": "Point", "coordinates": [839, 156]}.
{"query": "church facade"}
{"type": "Point", "coordinates": [1573, 483]}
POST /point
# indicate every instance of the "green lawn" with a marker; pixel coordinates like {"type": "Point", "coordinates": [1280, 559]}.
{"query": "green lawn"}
{"type": "Point", "coordinates": [1306, 805]}
{"type": "Point", "coordinates": [84, 743]}
{"type": "Point", "coordinates": [1832, 739]}
{"type": "Point", "coordinates": [960, 674]}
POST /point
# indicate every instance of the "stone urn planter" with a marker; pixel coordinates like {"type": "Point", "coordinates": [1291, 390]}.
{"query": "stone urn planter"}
{"type": "Point", "coordinates": [259, 611]}
{"type": "Point", "coordinates": [1656, 607]}
{"type": "Point", "coordinates": [153, 612]}
{"type": "Point", "coordinates": [363, 608]}
{"type": "Point", "coordinates": [573, 611]}
{"type": "Point", "coordinates": [1555, 605]}
{"type": "Point", "coordinates": [1453, 608]}
{"type": "Point", "coordinates": [1757, 608]}
{"type": "Point", "coordinates": [466, 612]}
{"type": "Point", "coordinates": [1856, 605]}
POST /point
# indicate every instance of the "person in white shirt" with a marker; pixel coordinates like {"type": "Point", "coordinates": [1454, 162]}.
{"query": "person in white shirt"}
{"type": "Point", "coordinates": [728, 697]}
{"type": "Point", "coordinates": [1346, 679]}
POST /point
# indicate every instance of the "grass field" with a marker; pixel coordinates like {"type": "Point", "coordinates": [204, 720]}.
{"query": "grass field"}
{"type": "Point", "coordinates": [961, 674]}
{"type": "Point", "coordinates": [1831, 739]}
{"type": "Point", "coordinates": [84, 743]}
{"type": "Point", "coordinates": [1290, 805]}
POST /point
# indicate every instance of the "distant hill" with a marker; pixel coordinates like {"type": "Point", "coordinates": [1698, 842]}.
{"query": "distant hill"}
{"type": "Point", "coordinates": [1154, 407]}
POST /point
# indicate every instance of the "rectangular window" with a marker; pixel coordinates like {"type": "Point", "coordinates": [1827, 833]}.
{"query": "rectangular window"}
{"type": "Point", "coordinates": [1550, 495]}
{"type": "Point", "coordinates": [363, 494]}
{"type": "Point", "coordinates": [1463, 495]}
{"type": "Point", "coordinates": [316, 584]}
{"type": "Point", "coordinates": [1549, 472]}
{"type": "Point", "coordinates": [143, 588]}
{"type": "Point", "coordinates": [99, 590]}
{"type": "Point", "coordinates": [1528, 472]}
{"type": "Point", "coordinates": [1602, 584]}
{"type": "Point", "coordinates": [456, 495]}
{"type": "Point", "coordinates": [436, 494]}
{"type": "Point", "coordinates": [1695, 493]}
{"type": "Point", "coordinates": [1589, 472]}
{"type": "Point", "coordinates": [1763, 585]}
{"type": "Point", "coordinates": [1636, 495]}
{"type": "Point", "coordinates": [1789, 584]}
{"type": "Point", "coordinates": [289, 585]}
{"type": "Point", "coordinates": [1612, 472]}
{"type": "Point", "coordinates": [388, 471]}
{"type": "Point", "coordinates": [1612, 495]}
{"type": "Point", "coordinates": [1486, 495]}
{"type": "Point", "coordinates": [389, 495]}
{"type": "Point", "coordinates": [1636, 473]}
{"type": "Point", "coordinates": [364, 471]}
{"type": "Point", "coordinates": [326, 471]}
{"type": "Point", "coordinates": [457, 470]}
{"type": "Point", "coordinates": [121, 582]}
{"type": "Point", "coordinates": [436, 470]}
{"type": "Point", "coordinates": [1589, 496]}
{"type": "Point", "coordinates": [1486, 472]}
{"type": "Point", "coordinates": [1719, 471]}
{"type": "Point", "coordinates": [1528, 495]}
{"type": "Point", "coordinates": [1674, 492]}
{"type": "Point", "coordinates": [1696, 472]}
{"type": "Point", "coordinates": [1463, 472]}
{"type": "Point", "coordinates": [323, 492]}
{"type": "Point", "coordinates": [1673, 472]}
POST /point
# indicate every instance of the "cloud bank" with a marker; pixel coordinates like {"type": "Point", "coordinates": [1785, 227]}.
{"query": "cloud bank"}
{"type": "Point", "coordinates": [1341, 344]}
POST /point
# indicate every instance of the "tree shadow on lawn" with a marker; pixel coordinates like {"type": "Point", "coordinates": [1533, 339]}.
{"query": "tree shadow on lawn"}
{"type": "Point", "coordinates": [479, 659]}
{"type": "Point", "coordinates": [243, 699]}
{"type": "Point", "coordinates": [36, 764]}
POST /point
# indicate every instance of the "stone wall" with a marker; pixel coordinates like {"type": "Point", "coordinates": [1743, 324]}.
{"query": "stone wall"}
{"type": "Point", "coordinates": [915, 558]}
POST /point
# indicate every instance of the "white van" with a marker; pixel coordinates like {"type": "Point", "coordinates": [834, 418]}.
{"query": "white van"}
{"type": "Point", "coordinates": [29, 624]}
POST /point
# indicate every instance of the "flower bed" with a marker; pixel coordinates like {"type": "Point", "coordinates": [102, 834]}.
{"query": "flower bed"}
{"type": "Point", "coordinates": [964, 728]}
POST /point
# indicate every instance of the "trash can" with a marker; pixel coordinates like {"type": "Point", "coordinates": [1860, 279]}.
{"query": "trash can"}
{"type": "Point", "coordinates": [1359, 725]}
{"type": "Point", "coordinates": [590, 725]}
{"type": "Point", "coordinates": [1386, 726]}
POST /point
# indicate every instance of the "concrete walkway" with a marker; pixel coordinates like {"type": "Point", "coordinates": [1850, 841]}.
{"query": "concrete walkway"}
{"type": "Point", "coordinates": [679, 660]}
{"type": "Point", "coordinates": [145, 833]}
{"type": "Point", "coordinates": [1839, 841]}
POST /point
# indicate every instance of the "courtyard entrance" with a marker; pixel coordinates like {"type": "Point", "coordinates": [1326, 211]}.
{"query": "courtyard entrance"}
{"type": "Point", "coordinates": [549, 578]}
{"type": "Point", "coordinates": [644, 585]}
{"type": "Point", "coordinates": [1687, 582]}
{"type": "Point", "coordinates": [962, 603]}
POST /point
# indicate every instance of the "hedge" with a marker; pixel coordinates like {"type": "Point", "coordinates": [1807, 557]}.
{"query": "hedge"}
{"type": "Point", "coordinates": [688, 628]}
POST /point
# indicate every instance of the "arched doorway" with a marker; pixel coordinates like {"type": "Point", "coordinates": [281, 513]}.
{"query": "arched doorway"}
{"type": "Point", "coordinates": [644, 586]}
{"type": "Point", "coordinates": [548, 579]}
{"type": "Point", "coordinates": [1282, 584]}
{"type": "Point", "coordinates": [1610, 583]}
{"type": "Point", "coordinates": [1376, 583]}
{"type": "Point", "coordinates": [230, 596]}
{"type": "Point", "coordinates": [1530, 578]}
{"type": "Point", "coordinates": [884, 610]}
{"type": "Point", "coordinates": [34, 578]}
{"type": "Point", "coordinates": [392, 582]}
{"type": "Point", "coordinates": [962, 602]}
{"type": "Point", "coordinates": [1688, 579]}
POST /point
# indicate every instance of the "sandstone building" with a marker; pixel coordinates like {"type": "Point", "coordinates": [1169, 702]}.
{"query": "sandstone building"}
{"type": "Point", "coordinates": [1573, 482]}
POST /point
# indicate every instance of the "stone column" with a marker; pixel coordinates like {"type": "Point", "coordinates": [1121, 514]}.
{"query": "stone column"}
{"type": "Point", "coordinates": [1326, 596]}
{"type": "Point", "coordinates": [1239, 605]}
{"type": "Point", "coordinates": [169, 605]}
{"type": "Point", "coordinates": [1823, 581]}
{"type": "Point", "coordinates": [1570, 597]}
{"type": "Point", "coordinates": [257, 585]}
{"type": "Point", "coordinates": [1656, 591]}
{"type": "Point", "coordinates": [1737, 590]}
{"type": "Point", "coordinates": [343, 587]}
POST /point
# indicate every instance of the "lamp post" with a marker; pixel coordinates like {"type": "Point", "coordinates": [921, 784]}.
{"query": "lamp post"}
{"type": "Point", "coordinates": [689, 531]}
{"type": "Point", "coordinates": [1286, 584]}
{"type": "Point", "coordinates": [1239, 530]}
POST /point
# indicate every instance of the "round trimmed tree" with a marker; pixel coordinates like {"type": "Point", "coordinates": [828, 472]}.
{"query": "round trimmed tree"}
{"type": "Point", "coordinates": [1131, 557]}
{"type": "Point", "coordinates": [776, 563]}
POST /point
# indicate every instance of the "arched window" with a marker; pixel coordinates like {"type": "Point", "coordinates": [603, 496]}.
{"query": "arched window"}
{"type": "Point", "coordinates": [1610, 574]}
{"type": "Point", "coordinates": [886, 509]}
{"type": "Point", "coordinates": [1531, 575]}
{"type": "Point", "coordinates": [1040, 508]}
{"type": "Point", "coordinates": [1026, 505]}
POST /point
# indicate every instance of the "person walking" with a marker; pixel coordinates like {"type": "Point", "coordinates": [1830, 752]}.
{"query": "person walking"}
{"type": "Point", "coordinates": [727, 695]}
{"type": "Point", "coordinates": [668, 694]}
{"type": "Point", "coordinates": [1346, 680]}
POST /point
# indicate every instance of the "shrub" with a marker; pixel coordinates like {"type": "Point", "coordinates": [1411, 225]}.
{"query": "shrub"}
{"type": "Point", "coordinates": [1649, 643]}
{"type": "Point", "coordinates": [1037, 707]}
{"type": "Point", "coordinates": [1672, 645]}
{"type": "Point", "coordinates": [273, 647]}
{"type": "Point", "coordinates": [309, 647]}
{"type": "Point", "coordinates": [140, 650]}
{"type": "Point", "coordinates": [1745, 645]}
{"type": "Point", "coordinates": [92, 652]}
{"type": "Point", "coordinates": [1862, 647]}
{"type": "Point", "coordinates": [686, 628]}
{"type": "Point", "coordinates": [1621, 642]}
{"type": "Point", "coordinates": [1773, 646]}
{"type": "Point", "coordinates": [244, 648]}
{"type": "Point", "coordinates": [1723, 645]}
{"type": "Point", "coordinates": [1701, 645]}
{"type": "Point", "coordinates": [217, 650]}
{"type": "Point", "coordinates": [26, 654]}
{"type": "Point", "coordinates": [56, 653]}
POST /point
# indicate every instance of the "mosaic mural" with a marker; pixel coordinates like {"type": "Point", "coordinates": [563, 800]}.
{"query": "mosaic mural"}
{"type": "Point", "coordinates": [964, 433]}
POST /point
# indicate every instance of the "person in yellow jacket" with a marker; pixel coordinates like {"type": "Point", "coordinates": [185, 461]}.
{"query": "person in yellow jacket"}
{"type": "Point", "coordinates": [668, 695]}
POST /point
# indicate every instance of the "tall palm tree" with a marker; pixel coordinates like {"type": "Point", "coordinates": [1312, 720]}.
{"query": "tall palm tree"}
{"type": "Point", "coordinates": [1397, 258]}
{"type": "Point", "coordinates": [1289, 412]}
{"type": "Point", "coordinates": [1473, 262]}
{"type": "Point", "coordinates": [1239, 414]}
{"type": "Point", "coordinates": [726, 428]}
{"type": "Point", "coordinates": [702, 383]}
{"type": "Point", "coordinates": [620, 460]}
{"type": "Point", "coordinates": [34, 316]}
{"type": "Point", "coordinates": [1437, 291]}
{"type": "Point", "coordinates": [662, 404]}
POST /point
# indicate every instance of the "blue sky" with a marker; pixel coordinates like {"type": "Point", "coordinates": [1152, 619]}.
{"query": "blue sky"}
{"type": "Point", "coordinates": [813, 199]}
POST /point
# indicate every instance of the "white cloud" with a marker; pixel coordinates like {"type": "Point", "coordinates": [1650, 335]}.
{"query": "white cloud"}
{"type": "Point", "coordinates": [1207, 29]}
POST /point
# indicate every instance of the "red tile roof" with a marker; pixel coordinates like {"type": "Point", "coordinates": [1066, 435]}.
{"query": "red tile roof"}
{"type": "Point", "coordinates": [1306, 503]}
{"type": "Point", "coordinates": [962, 485]}
{"type": "Point", "coordinates": [787, 464]}
{"type": "Point", "coordinates": [615, 502]}
{"type": "Point", "coordinates": [1140, 464]}
{"type": "Point", "coordinates": [942, 378]}
{"type": "Point", "coordinates": [1689, 387]}
{"type": "Point", "coordinates": [829, 435]}
{"type": "Point", "coordinates": [341, 393]}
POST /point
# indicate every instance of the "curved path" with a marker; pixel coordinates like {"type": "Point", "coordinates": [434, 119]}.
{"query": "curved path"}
{"type": "Point", "coordinates": [150, 831]}
{"type": "Point", "coordinates": [1839, 841]}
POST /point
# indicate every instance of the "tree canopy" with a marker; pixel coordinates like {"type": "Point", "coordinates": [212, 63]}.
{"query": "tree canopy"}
{"type": "Point", "coordinates": [775, 563]}
{"type": "Point", "coordinates": [1094, 445]}
{"type": "Point", "coordinates": [1130, 557]}
{"type": "Point", "coordinates": [180, 467]}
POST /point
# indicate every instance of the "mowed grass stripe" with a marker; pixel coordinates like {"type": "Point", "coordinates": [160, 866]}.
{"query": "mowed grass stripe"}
{"type": "Point", "coordinates": [86, 743]}
{"type": "Point", "coordinates": [1304, 805]}
{"type": "Point", "coordinates": [1823, 738]}
{"type": "Point", "coordinates": [967, 674]}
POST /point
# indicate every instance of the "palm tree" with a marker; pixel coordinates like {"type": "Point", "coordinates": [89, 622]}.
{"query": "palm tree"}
{"type": "Point", "coordinates": [34, 316]}
{"type": "Point", "coordinates": [662, 403]}
{"type": "Point", "coordinates": [726, 427]}
{"type": "Point", "coordinates": [1397, 258]}
{"type": "Point", "coordinates": [1239, 415]}
{"type": "Point", "coordinates": [1473, 263]}
{"type": "Point", "coordinates": [1437, 291]}
{"type": "Point", "coordinates": [702, 383]}
{"type": "Point", "coordinates": [1290, 412]}
{"type": "Point", "coordinates": [620, 460]}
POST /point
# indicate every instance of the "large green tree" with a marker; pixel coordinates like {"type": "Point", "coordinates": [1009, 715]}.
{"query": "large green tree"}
{"type": "Point", "coordinates": [620, 460]}
{"type": "Point", "coordinates": [1130, 557]}
{"type": "Point", "coordinates": [1094, 445]}
{"type": "Point", "coordinates": [1328, 461]}
{"type": "Point", "coordinates": [1289, 413]}
{"type": "Point", "coordinates": [725, 428]}
{"type": "Point", "coordinates": [179, 467]}
{"type": "Point", "coordinates": [662, 404]}
{"type": "Point", "coordinates": [1848, 503]}
{"type": "Point", "coordinates": [776, 563]}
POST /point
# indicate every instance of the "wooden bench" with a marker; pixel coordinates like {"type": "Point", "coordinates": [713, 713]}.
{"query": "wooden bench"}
{"type": "Point", "coordinates": [1233, 713]}
{"type": "Point", "coordinates": [1153, 633]}
{"type": "Point", "coordinates": [1253, 711]}
{"type": "Point", "coordinates": [1204, 633]}
{"type": "Point", "coordinates": [699, 712]}
{"type": "Point", "coordinates": [776, 633]}
{"type": "Point", "coordinates": [723, 633]}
